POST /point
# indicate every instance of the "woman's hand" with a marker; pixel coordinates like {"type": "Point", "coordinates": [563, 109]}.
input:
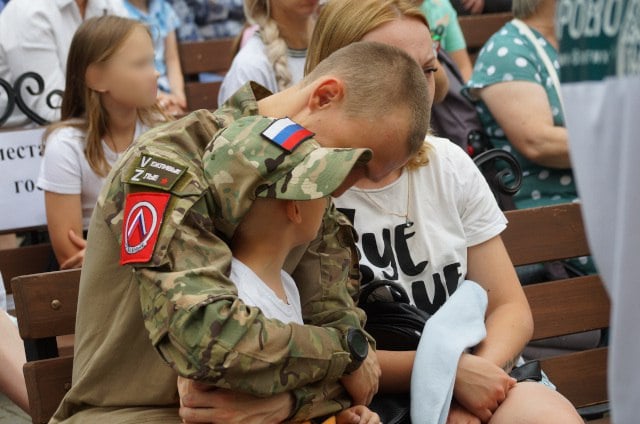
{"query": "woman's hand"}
{"type": "Point", "coordinates": [200, 403]}
{"type": "Point", "coordinates": [481, 385]}
{"type": "Point", "coordinates": [357, 415]}
{"type": "Point", "coordinates": [459, 415]}
{"type": "Point", "coordinates": [77, 259]}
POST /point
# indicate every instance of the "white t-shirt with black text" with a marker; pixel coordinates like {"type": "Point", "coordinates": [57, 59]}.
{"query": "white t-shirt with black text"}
{"type": "Point", "coordinates": [450, 208]}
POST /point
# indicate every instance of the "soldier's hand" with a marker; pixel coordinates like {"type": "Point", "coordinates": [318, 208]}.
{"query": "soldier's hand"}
{"type": "Point", "coordinates": [200, 403]}
{"type": "Point", "coordinates": [362, 384]}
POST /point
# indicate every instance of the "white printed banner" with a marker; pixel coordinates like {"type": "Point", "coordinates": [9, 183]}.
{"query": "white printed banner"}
{"type": "Point", "coordinates": [21, 202]}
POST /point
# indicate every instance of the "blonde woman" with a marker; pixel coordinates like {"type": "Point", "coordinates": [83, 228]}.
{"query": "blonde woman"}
{"type": "Point", "coordinates": [437, 223]}
{"type": "Point", "coordinates": [109, 100]}
{"type": "Point", "coordinates": [274, 56]}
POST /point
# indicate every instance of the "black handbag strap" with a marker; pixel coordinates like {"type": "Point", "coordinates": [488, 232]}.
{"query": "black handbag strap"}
{"type": "Point", "coordinates": [398, 293]}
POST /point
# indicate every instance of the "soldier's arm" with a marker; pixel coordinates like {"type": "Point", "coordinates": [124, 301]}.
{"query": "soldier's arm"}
{"type": "Point", "coordinates": [327, 276]}
{"type": "Point", "coordinates": [200, 327]}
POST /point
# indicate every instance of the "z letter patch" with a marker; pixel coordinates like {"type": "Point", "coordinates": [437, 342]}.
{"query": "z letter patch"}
{"type": "Point", "coordinates": [143, 213]}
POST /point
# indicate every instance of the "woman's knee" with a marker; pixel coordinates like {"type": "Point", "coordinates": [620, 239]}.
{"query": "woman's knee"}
{"type": "Point", "coordinates": [534, 403]}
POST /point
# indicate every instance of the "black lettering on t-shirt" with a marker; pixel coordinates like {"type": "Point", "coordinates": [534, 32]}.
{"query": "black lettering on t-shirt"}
{"type": "Point", "coordinates": [404, 255]}
{"type": "Point", "coordinates": [384, 260]}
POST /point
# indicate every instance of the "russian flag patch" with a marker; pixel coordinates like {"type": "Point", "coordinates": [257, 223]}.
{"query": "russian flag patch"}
{"type": "Point", "coordinates": [286, 133]}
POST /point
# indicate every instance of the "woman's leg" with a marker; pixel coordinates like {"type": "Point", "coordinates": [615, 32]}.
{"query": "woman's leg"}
{"type": "Point", "coordinates": [535, 403]}
{"type": "Point", "coordinates": [12, 359]}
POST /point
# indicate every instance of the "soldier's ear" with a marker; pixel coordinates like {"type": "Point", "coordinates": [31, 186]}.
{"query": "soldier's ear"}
{"type": "Point", "coordinates": [293, 211]}
{"type": "Point", "coordinates": [327, 92]}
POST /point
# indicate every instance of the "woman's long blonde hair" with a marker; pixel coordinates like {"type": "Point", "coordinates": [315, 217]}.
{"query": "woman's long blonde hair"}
{"type": "Point", "coordinates": [344, 22]}
{"type": "Point", "coordinates": [258, 12]}
{"type": "Point", "coordinates": [95, 42]}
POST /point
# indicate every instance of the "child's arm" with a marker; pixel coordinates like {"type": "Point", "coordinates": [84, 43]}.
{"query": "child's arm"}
{"type": "Point", "coordinates": [64, 218]}
{"type": "Point", "coordinates": [174, 72]}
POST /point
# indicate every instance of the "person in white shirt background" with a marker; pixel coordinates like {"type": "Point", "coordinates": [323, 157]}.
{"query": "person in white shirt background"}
{"type": "Point", "coordinates": [274, 56]}
{"type": "Point", "coordinates": [35, 36]}
{"type": "Point", "coordinates": [600, 73]}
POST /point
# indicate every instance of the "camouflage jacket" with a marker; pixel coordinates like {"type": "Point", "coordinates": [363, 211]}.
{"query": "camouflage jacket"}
{"type": "Point", "coordinates": [190, 308]}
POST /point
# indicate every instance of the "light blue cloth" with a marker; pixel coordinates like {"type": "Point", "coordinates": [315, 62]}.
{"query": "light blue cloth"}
{"type": "Point", "coordinates": [457, 326]}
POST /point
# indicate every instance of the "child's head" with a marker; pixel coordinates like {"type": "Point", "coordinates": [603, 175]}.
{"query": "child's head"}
{"type": "Point", "coordinates": [244, 164]}
{"type": "Point", "coordinates": [110, 65]}
{"type": "Point", "coordinates": [297, 221]}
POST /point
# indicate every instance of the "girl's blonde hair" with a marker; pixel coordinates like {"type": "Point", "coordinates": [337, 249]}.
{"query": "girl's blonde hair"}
{"type": "Point", "coordinates": [258, 12]}
{"type": "Point", "coordinates": [95, 42]}
{"type": "Point", "coordinates": [341, 23]}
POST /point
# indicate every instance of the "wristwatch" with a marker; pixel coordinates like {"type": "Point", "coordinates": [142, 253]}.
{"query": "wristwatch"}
{"type": "Point", "coordinates": [357, 345]}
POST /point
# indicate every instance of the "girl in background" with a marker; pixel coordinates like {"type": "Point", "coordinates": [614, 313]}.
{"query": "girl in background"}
{"type": "Point", "coordinates": [274, 56]}
{"type": "Point", "coordinates": [163, 22]}
{"type": "Point", "coordinates": [109, 100]}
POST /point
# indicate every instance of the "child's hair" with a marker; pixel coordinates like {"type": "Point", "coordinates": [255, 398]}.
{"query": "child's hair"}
{"type": "Point", "coordinates": [95, 41]}
{"type": "Point", "coordinates": [344, 22]}
{"type": "Point", "coordinates": [378, 78]}
{"type": "Point", "coordinates": [258, 12]}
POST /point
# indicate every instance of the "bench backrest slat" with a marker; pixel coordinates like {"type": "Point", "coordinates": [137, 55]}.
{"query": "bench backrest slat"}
{"type": "Point", "coordinates": [46, 303]}
{"type": "Point", "coordinates": [24, 260]}
{"type": "Point", "coordinates": [568, 306]}
{"type": "Point", "coordinates": [545, 234]}
{"type": "Point", "coordinates": [212, 56]}
{"type": "Point", "coordinates": [580, 376]}
{"type": "Point", "coordinates": [47, 382]}
{"type": "Point", "coordinates": [206, 56]}
{"type": "Point", "coordinates": [477, 29]}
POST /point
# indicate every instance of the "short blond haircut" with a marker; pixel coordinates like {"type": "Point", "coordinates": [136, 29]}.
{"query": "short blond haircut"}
{"type": "Point", "coordinates": [344, 22]}
{"type": "Point", "coordinates": [378, 78]}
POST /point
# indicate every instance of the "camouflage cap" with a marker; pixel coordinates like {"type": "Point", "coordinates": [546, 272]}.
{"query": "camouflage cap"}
{"type": "Point", "coordinates": [246, 161]}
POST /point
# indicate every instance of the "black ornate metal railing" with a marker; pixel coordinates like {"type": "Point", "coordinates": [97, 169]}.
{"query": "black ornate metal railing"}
{"type": "Point", "coordinates": [503, 173]}
{"type": "Point", "coordinates": [32, 84]}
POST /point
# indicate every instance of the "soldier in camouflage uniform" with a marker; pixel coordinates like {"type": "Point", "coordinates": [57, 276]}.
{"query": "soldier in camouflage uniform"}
{"type": "Point", "coordinates": [154, 244]}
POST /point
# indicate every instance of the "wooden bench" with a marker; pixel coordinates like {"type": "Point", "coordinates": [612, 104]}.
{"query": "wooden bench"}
{"type": "Point", "coordinates": [213, 56]}
{"type": "Point", "coordinates": [563, 307]}
{"type": "Point", "coordinates": [477, 29]}
{"type": "Point", "coordinates": [46, 308]}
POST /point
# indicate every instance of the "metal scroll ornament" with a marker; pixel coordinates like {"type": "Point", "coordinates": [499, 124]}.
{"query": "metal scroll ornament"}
{"type": "Point", "coordinates": [503, 173]}
{"type": "Point", "coordinates": [31, 84]}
